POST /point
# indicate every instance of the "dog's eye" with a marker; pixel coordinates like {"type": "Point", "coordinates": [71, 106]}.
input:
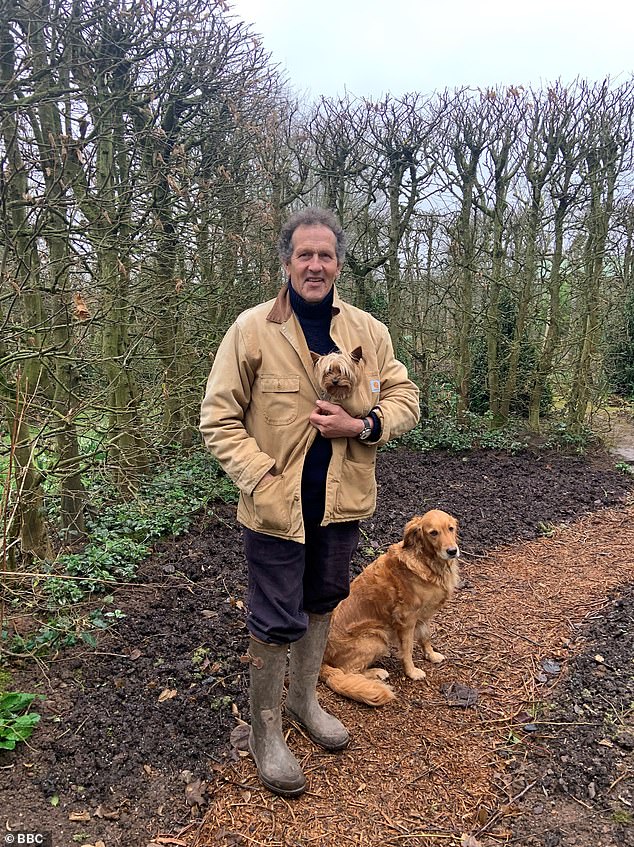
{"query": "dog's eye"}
{"type": "Point", "coordinates": [433, 532]}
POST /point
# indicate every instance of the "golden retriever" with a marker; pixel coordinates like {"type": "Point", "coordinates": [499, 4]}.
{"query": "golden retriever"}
{"type": "Point", "coordinates": [391, 602]}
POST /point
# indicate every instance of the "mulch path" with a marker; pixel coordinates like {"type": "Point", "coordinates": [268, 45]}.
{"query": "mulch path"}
{"type": "Point", "coordinates": [421, 770]}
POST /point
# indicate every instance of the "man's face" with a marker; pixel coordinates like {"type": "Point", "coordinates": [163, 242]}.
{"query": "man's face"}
{"type": "Point", "coordinates": [313, 267]}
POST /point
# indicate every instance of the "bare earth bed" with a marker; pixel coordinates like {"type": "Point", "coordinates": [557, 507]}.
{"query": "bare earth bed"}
{"type": "Point", "coordinates": [134, 743]}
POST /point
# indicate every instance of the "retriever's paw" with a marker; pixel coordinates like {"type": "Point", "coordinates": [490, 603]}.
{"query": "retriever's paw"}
{"type": "Point", "coordinates": [377, 673]}
{"type": "Point", "coordinates": [434, 657]}
{"type": "Point", "coordinates": [416, 673]}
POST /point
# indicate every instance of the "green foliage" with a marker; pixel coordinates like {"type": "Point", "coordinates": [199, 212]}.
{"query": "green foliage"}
{"type": "Point", "coordinates": [120, 533]}
{"type": "Point", "coordinates": [620, 359]}
{"type": "Point", "coordinates": [625, 468]}
{"type": "Point", "coordinates": [561, 438]}
{"type": "Point", "coordinates": [115, 558]}
{"type": "Point", "coordinates": [16, 722]}
{"type": "Point", "coordinates": [119, 539]}
{"type": "Point", "coordinates": [219, 704]}
{"type": "Point", "coordinates": [65, 630]}
{"type": "Point", "coordinates": [479, 387]}
{"type": "Point", "coordinates": [444, 433]}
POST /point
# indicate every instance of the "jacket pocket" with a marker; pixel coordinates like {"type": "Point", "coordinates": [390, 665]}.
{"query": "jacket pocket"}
{"type": "Point", "coordinates": [271, 509]}
{"type": "Point", "coordinates": [357, 489]}
{"type": "Point", "coordinates": [280, 398]}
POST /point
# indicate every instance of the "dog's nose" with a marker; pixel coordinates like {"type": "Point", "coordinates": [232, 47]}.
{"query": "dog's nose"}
{"type": "Point", "coordinates": [452, 552]}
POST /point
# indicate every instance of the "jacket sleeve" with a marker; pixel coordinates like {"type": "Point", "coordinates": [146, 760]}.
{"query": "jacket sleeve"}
{"type": "Point", "coordinates": [223, 410]}
{"type": "Point", "coordinates": [398, 408]}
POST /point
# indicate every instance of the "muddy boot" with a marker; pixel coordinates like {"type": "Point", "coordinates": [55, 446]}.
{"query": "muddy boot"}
{"type": "Point", "coordinates": [301, 701]}
{"type": "Point", "coordinates": [277, 768]}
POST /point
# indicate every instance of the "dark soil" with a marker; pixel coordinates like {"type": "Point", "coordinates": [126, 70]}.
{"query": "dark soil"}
{"type": "Point", "coordinates": [128, 729]}
{"type": "Point", "coordinates": [582, 791]}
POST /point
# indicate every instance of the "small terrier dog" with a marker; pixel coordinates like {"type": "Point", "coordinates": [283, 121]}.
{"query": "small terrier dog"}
{"type": "Point", "coordinates": [337, 373]}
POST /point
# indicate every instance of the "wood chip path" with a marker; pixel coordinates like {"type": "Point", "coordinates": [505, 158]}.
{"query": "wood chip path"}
{"type": "Point", "coordinates": [419, 771]}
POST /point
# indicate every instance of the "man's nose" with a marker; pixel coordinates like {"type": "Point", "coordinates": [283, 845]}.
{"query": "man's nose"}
{"type": "Point", "coordinates": [314, 262]}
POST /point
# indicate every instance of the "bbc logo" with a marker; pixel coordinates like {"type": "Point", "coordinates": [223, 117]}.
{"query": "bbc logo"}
{"type": "Point", "coordinates": [34, 839]}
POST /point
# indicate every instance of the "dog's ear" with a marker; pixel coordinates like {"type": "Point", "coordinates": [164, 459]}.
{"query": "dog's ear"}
{"type": "Point", "coordinates": [357, 354]}
{"type": "Point", "coordinates": [314, 357]}
{"type": "Point", "coordinates": [412, 535]}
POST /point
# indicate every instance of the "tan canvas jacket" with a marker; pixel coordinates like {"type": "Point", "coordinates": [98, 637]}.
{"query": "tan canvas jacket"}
{"type": "Point", "coordinates": [260, 393]}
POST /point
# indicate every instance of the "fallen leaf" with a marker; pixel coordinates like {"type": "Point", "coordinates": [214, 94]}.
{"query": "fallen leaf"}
{"type": "Point", "coordinates": [194, 792]}
{"type": "Point", "coordinates": [605, 742]}
{"type": "Point", "coordinates": [599, 658]}
{"type": "Point", "coordinates": [108, 814]}
{"type": "Point", "coordinates": [469, 841]}
{"type": "Point", "coordinates": [461, 695]}
{"type": "Point", "coordinates": [239, 737]}
{"type": "Point", "coordinates": [551, 667]}
{"type": "Point", "coordinates": [135, 654]}
{"type": "Point", "coordinates": [167, 694]}
{"type": "Point", "coordinates": [84, 817]}
{"type": "Point", "coordinates": [207, 613]}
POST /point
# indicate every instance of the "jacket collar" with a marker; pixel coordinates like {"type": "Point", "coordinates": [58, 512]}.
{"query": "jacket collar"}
{"type": "Point", "coordinates": [282, 309]}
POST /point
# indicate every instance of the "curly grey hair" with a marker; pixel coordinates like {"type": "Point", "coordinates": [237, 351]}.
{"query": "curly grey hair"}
{"type": "Point", "coordinates": [312, 216]}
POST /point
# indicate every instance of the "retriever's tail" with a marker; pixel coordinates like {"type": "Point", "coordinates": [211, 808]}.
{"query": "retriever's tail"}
{"type": "Point", "coordinates": [356, 686]}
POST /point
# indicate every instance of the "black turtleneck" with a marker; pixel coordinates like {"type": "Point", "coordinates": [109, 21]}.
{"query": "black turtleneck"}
{"type": "Point", "coordinates": [314, 319]}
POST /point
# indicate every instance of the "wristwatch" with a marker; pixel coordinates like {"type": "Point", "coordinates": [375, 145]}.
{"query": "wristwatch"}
{"type": "Point", "coordinates": [366, 432]}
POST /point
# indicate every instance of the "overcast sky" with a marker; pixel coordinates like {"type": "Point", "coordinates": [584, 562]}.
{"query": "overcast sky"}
{"type": "Point", "coordinates": [375, 47]}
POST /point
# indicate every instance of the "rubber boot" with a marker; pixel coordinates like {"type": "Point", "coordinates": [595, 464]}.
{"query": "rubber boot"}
{"type": "Point", "coordinates": [301, 701]}
{"type": "Point", "coordinates": [277, 768]}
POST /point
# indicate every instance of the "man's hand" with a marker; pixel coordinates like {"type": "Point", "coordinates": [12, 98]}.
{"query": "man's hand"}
{"type": "Point", "coordinates": [333, 421]}
{"type": "Point", "coordinates": [267, 476]}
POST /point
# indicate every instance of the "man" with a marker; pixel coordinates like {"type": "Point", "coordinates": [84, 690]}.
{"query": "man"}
{"type": "Point", "coordinates": [305, 468]}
